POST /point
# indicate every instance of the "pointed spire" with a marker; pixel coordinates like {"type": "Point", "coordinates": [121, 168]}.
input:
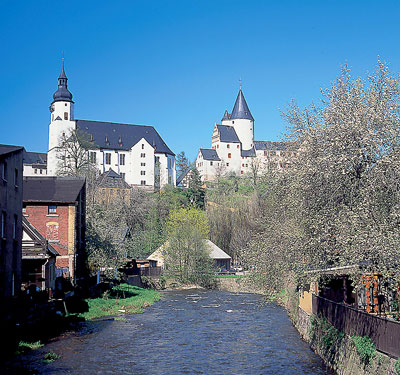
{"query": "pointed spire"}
{"type": "Point", "coordinates": [62, 74]}
{"type": "Point", "coordinates": [62, 94]}
{"type": "Point", "coordinates": [240, 109]}
{"type": "Point", "coordinates": [226, 115]}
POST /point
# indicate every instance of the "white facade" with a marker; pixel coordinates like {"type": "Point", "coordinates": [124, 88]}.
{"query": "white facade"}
{"type": "Point", "coordinates": [245, 131]}
{"type": "Point", "coordinates": [34, 171]}
{"type": "Point", "coordinates": [138, 161]}
{"type": "Point", "coordinates": [234, 150]}
{"type": "Point", "coordinates": [61, 124]}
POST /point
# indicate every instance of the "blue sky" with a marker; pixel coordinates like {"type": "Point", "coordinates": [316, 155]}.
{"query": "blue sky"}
{"type": "Point", "coordinates": [176, 64]}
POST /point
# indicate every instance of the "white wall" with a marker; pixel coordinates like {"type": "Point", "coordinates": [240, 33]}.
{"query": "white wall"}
{"type": "Point", "coordinates": [29, 170]}
{"type": "Point", "coordinates": [244, 130]}
{"type": "Point", "coordinates": [56, 129]}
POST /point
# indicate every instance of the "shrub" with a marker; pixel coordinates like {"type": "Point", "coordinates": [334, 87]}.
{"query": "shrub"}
{"type": "Point", "coordinates": [365, 348]}
{"type": "Point", "coordinates": [50, 357]}
{"type": "Point", "coordinates": [397, 366]}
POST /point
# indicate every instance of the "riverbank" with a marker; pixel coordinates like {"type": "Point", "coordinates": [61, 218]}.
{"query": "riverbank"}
{"type": "Point", "coordinates": [121, 299]}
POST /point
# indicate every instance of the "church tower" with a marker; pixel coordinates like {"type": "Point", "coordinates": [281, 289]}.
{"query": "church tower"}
{"type": "Point", "coordinates": [242, 120]}
{"type": "Point", "coordinates": [61, 121]}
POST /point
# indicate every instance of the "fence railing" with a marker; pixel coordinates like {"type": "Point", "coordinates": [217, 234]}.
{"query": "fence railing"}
{"type": "Point", "coordinates": [383, 332]}
{"type": "Point", "coordinates": [150, 271]}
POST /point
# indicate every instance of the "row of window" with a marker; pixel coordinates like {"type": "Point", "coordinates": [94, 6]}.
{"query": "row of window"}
{"type": "Point", "coordinates": [4, 223]}
{"type": "Point", "coordinates": [4, 173]}
{"type": "Point", "coordinates": [107, 156]}
{"type": "Point", "coordinates": [227, 146]}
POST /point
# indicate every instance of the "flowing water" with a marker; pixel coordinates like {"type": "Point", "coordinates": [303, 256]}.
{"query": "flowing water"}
{"type": "Point", "coordinates": [187, 332]}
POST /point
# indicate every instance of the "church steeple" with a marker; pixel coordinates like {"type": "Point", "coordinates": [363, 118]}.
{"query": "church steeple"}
{"type": "Point", "coordinates": [240, 109]}
{"type": "Point", "coordinates": [62, 94]}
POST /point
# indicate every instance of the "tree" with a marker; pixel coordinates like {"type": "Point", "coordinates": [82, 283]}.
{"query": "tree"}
{"type": "Point", "coordinates": [196, 192]}
{"type": "Point", "coordinates": [73, 154]}
{"type": "Point", "coordinates": [182, 163]}
{"type": "Point", "coordinates": [186, 255]}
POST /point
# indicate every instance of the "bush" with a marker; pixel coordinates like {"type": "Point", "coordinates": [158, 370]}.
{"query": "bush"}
{"type": "Point", "coordinates": [397, 366]}
{"type": "Point", "coordinates": [365, 348]}
{"type": "Point", "coordinates": [50, 357]}
{"type": "Point", "coordinates": [324, 333]}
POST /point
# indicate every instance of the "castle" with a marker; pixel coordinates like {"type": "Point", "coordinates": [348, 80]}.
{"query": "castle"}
{"type": "Point", "coordinates": [234, 150]}
{"type": "Point", "coordinates": [136, 152]}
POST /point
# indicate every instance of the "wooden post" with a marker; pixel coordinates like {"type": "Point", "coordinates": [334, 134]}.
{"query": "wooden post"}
{"type": "Point", "coordinates": [368, 294]}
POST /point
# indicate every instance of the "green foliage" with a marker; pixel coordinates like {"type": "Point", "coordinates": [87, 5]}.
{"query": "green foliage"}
{"type": "Point", "coordinates": [129, 299]}
{"type": "Point", "coordinates": [324, 334]}
{"type": "Point", "coordinates": [195, 193]}
{"type": "Point", "coordinates": [365, 348]}
{"type": "Point", "coordinates": [24, 346]}
{"type": "Point", "coordinates": [50, 357]}
{"type": "Point", "coordinates": [397, 366]}
{"type": "Point", "coordinates": [186, 255]}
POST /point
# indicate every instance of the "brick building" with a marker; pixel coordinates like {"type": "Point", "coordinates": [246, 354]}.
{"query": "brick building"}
{"type": "Point", "coordinates": [10, 219]}
{"type": "Point", "coordinates": [55, 206]}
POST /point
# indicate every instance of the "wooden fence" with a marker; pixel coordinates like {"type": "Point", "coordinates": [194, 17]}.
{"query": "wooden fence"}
{"type": "Point", "coordinates": [150, 271]}
{"type": "Point", "coordinates": [384, 333]}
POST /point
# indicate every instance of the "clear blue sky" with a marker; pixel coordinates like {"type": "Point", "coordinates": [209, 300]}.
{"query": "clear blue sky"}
{"type": "Point", "coordinates": [176, 64]}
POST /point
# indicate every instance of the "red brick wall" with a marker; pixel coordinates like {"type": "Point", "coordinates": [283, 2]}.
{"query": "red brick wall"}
{"type": "Point", "coordinates": [50, 226]}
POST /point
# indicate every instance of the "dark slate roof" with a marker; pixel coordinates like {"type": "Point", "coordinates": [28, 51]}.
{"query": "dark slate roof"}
{"type": "Point", "coordinates": [227, 134]}
{"type": "Point", "coordinates": [8, 149]}
{"type": "Point", "coordinates": [269, 145]}
{"type": "Point", "coordinates": [210, 154]}
{"type": "Point", "coordinates": [62, 93]}
{"type": "Point", "coordinates": [122, 136]}
{"type": "Point", "coordinates": [249, 153]}
{"type": "Point", "coordinates": [35, 158]}
{"type": "Point", "coordinates": [240, 109]}
{"type": "Point", "coordinates": [111, 179]}
{"type": "Point", "coordinates": [62, 74]}
{"type": "Point", "coordinates": [227, 116]}
{"type": "Point", "coordinates": [52, 189]}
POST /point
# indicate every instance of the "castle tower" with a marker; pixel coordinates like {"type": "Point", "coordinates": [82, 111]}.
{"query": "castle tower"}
{"type": "Point", "coordinates": [242, 120]}
{"type": "Point", "coordinates": [61, 121]}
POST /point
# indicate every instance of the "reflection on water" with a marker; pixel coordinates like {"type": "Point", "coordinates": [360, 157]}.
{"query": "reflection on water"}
{"type": "Point", "coordinates": [189, 332]}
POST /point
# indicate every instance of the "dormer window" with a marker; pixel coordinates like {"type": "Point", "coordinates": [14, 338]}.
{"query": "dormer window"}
{"type": "Point", "coordinates": [107, 141]}
{"type": "Point", "coordinates": [120, 141]}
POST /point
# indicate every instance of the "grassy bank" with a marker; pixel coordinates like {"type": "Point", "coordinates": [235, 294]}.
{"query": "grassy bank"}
{"type": "Point", "coordinates": [122, 299]}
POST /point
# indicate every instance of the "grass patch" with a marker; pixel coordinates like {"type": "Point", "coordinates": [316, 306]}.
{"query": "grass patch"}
{"type": "Point", "coordinates": [50, 357]}
{"type": "Point", "coordinates": [25, 347]}
{"type": "Point", "coordinates": [122, 298]}
{"type": "Point", "coordinates": [120, 318]}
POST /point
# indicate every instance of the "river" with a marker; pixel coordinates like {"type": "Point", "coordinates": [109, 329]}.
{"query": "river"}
{"type": "Point", "coordinates": [187, 332]}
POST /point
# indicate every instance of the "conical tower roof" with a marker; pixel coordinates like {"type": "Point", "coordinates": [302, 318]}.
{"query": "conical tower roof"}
{"type": "Point", "coordinates": [241, 109]}
{"type": "Point", "coordinates": [226, 116]}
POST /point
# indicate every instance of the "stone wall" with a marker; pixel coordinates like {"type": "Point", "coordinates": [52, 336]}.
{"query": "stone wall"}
{"type": "Point", "coordinates": [342, 355]}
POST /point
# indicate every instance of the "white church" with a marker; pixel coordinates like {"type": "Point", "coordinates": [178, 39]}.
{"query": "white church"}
{"type": "Point", "coordinates": [136, 152]}
{"type": "Point", "coordinates": [234, 150]}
